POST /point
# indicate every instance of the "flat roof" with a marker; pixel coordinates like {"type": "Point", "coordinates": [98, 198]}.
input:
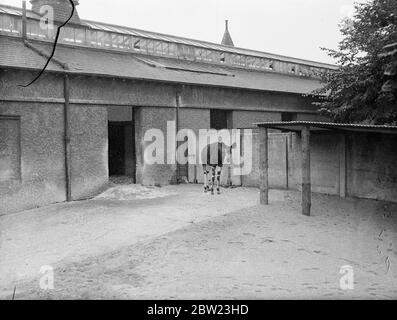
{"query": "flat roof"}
{"type": "Point", "coordinates": [296, 126]}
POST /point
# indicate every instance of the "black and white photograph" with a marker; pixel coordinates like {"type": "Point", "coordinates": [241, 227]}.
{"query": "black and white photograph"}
{"type": "Point", "coordinates": [198, 150]}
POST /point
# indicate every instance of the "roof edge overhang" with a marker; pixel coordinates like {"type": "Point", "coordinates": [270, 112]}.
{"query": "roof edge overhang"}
{"type": "Point", "coordinates": [179, 83]}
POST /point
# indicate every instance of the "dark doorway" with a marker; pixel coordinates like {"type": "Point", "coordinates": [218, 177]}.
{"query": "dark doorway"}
{"type": "Point", "coordinates": [116, 149]}
{"type": "Point", "coordinates": [121, 137]}
{"type": "Point", "coordinates": [221, 119]}
{"type": "Point", "coordinates": [289, 116]}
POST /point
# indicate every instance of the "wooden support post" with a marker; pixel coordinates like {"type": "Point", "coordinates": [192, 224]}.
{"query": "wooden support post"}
{"type": "Point", "coordinates": [287, 161]}
{"type": "Point", "coordinates": [68, 155]}
{"type": "Point", "coordinates": [342, 167]}
{"type": "Point", "coordinates": [178, 167]}
{"type": "Point", "coordinates": [133, 144]}
{"type": "Point", "coordinates": [264, 165]}
{"type": "Point", "coordinates": [306, 177]}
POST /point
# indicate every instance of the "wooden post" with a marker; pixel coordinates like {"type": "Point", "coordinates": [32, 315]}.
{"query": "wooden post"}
{"type": "Point", "coordinates": [287, 161]}
{"type": "Point", "coordinates": [342, 167]}
{"type": "Point", "coordinates": [264, 165]}
{"type": "Point", "coordinates": [68, 155]}
{"type": "Point", "coordinates": [133, 144]}
{"type": "Point", "coordinates": [178, 167]}
{"type": "Point", "coordinates": [306, 177]}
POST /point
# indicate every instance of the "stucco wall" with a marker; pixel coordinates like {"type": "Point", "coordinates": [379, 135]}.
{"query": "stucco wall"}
{"type": "Point", "coordinates": [246, 119]}
{"type": "Point", "coordinates": [325, 160]}
{"type": "Point", "coordinates": [202, 97]}
{"type": "Point", "coordinates": [120, 113]}
{"type": "Point", "coordinates": [312, 117]}
{"type": "Point", "coordinates": [277, 162]}
{"type": "Point", "coordinates": [42, 157]}
{"type": "Point", "coordinates": [132, 93]}
{"type": "Point", "coordinates": [42, 154]}
{"type": "Point", "coordinates": [195, 119]}
{"type": "Point", "coordinates": [372, 166]}
{"type": "Point", "coordinates": [89, 147]}
{"type": "Point", "coordinates": [147, 118]}
{"type": "Point", "coordinates": [10, 149]}
{"type": "Point", "coordinates": [49, 86]}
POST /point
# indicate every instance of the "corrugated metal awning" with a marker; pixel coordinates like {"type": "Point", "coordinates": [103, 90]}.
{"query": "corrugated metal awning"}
{"type": "Point", "coordinates": [296, 126]}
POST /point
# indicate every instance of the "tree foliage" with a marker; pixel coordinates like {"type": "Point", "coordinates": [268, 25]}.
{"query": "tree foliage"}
{"type": "Point", "coordinates": [390, 53]}
{"type": "Point", "coordinates": [354, 92]}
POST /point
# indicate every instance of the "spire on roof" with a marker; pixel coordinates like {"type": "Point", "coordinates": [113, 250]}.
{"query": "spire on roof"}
{"type": "Point", "coordinates": [227, 39]}
{"type": "Point", "coordinates": [62, 9]}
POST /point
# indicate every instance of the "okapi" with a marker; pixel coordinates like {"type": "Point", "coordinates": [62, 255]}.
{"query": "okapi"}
{"type": "Point", "coordinates": [213, 157]}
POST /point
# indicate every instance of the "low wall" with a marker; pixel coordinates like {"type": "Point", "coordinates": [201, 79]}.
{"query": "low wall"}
{"type": "Point", "coordinates": [356, 165]}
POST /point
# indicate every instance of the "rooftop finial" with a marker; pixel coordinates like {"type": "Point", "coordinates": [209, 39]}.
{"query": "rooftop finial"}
{"type": "Point", "coordinates": [227, 39]}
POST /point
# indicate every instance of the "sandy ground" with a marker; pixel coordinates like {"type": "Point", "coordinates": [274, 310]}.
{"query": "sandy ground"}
{"type": "Point", "coordinates": [187, 245]}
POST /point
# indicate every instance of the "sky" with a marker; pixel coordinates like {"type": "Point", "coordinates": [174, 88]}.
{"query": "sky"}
{"type": "Point", "coordinates": [296, 28]}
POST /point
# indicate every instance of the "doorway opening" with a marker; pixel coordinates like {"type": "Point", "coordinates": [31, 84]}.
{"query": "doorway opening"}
{"type": "Point", "coordinates": [121, 138]}
{"type": "Point", "coordinates": [221, 119]}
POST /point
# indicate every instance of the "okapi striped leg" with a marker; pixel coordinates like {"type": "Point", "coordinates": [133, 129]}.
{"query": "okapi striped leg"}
{"type": "Point", "coordinates": [213, 169]}
{"type": "Point", "coordinates": [218, 179]}
{"type": "Point", "coordinates": [205, 171]}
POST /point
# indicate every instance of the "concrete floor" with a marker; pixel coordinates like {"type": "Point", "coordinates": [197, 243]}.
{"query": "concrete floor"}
{"type": "Point", "coordinates": [185, 244]}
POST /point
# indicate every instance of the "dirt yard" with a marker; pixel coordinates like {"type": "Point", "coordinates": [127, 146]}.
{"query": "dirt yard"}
{"type": "Point", "coordinates": [178, 243]}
